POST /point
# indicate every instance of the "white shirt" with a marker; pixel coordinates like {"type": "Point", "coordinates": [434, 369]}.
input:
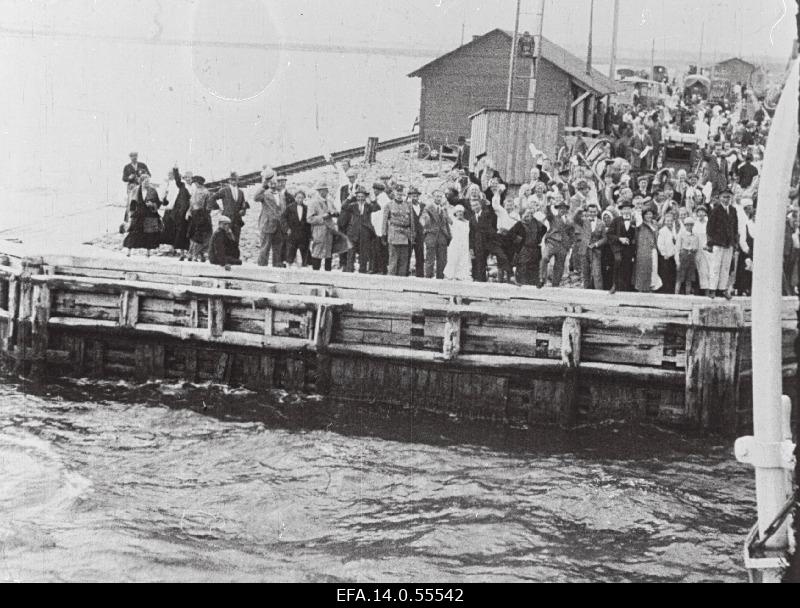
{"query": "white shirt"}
{"type": "Point", "coordinates": [666, 243]}
{"type": "Point", "coordinates": [235, 192]}
{"type": "Point", "coordinates": [377, 218]}
{"type": "Point", "coordinates": [300, 212]}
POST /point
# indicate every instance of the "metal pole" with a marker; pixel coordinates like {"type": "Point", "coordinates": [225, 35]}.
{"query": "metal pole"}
{"type": "Point", "coordinates": [702, 38]}
{"type": "Point", "coordinates": [537, 55]}
{"type": "Point", "coordinates": [773, 484]}
{"type": "Point", "coordinates": [512, 61]}
{"type": "Point", "coordinates": [591, 31]}
{"type": "Point", "coordinates": [612, 68]}
{"type": "Point", "coordinates": [653, 61]}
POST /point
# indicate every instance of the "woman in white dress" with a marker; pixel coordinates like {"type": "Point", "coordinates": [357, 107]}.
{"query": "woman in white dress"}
{"type": "Point", "coordinates": [459, 261]}
{"type": "Point", "coordinates": [703, 257]}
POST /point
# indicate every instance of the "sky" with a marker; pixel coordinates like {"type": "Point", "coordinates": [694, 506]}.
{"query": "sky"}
{"type": "Point", "coordinates": [227, 85]}
{"type": "Point", "coordinates": [751, 28]}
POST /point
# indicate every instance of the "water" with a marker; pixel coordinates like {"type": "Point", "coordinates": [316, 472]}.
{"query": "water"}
{"type": "Point", "coordinates": [107, 482]}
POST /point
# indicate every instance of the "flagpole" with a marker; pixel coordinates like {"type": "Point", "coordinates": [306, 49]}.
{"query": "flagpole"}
{"type": "Point", "coordinates": [512, 61]}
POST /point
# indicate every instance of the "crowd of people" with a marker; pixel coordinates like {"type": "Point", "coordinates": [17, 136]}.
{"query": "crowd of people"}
{"type": "Point", "coordinates": [618, 223]}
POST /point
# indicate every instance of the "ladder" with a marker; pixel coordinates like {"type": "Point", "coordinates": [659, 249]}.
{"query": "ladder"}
{"type": "Point", "coordinates": [530, 78]}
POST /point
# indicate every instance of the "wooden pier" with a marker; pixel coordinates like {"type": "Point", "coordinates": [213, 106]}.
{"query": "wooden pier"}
{"type": "Point", "coordinates": [493, 352]}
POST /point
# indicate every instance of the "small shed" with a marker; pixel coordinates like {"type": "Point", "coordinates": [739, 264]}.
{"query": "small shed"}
{"type": "Point", "coordinates": [734, 69]}
{"type": "Point", "coordinates": [505, 137]}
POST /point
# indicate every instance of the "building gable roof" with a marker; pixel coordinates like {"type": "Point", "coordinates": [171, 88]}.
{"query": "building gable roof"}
{"type": "Point", "coordinates": [736, 60]}
{"type": "Point", "coordinates": [558, 56]}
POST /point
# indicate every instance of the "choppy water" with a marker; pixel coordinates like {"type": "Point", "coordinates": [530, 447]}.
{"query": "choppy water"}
{"type": "Point", "coordinates": [107, 482]}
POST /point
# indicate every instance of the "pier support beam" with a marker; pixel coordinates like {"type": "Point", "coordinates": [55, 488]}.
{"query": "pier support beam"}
{"type": "Point", "coordinates": [712, 367]}
{"type": "Point", "coordinates": [571, 360]}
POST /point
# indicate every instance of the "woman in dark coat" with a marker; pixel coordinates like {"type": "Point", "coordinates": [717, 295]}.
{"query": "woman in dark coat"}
{"type": "Point", "coordinates": [144, 230]}
{"type": "Point", "coordinates": [176, 220]}
{"type": "Point", "coordinates": [645, 268]}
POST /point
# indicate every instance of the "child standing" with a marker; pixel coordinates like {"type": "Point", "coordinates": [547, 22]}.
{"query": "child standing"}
{"type": "Point", "coordinates": [687, 245]}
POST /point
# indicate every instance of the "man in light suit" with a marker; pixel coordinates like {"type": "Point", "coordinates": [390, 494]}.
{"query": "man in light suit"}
{"type": "Point", "coordinates": [435, 225]}
{"type": "Point", "coordinates": [269, 224]}
{"type": "Point", "coordinates": [597, 233]}
{"type": "Point", "coordinates": [234, 205]}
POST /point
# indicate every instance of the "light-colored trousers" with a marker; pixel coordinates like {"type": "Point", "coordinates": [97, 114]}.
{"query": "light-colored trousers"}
{"type": "Point", "coordinates": [719, 271]}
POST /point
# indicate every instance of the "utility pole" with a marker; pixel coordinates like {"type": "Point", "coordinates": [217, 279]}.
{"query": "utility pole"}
{"type": "Point", "coordinates": [591, 32]}
{"type": "Point", "coordinates": [535, 60]}
{"type": "Point", "coordinates": [463, 30]}
{"type": "Point", "coordinates": [702, 38]}
{"type": "Point", "coordinates": [612, 70]}
{"type": "Point", "coordinates": [653, 61]}
{"type": "Point", "coordinates": [512, 61]}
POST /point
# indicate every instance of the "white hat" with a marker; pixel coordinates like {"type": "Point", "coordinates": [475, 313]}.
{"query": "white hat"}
{"type": "Point", "coordinates": [224, 219]}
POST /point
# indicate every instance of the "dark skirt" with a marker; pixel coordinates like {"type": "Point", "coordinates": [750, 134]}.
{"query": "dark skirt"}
{"type": "Point", "coordinates": [142, 240]}
{"type": "Point", "coordinates": [667, 270]}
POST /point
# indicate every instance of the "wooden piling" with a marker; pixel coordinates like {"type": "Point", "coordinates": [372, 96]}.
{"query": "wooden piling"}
{"type": "Point", "coordinates": [567, 394]}
{"type": "Point", "coordinates": [712, 357]}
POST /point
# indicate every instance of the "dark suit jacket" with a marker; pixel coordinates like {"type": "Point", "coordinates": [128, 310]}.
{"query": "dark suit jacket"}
{"type": "Point", "coordinates": [233, 209]}
{"type": "Point", "coordinates": [617, 231]}
{"type": "Point", "coordinates": [435, 225]}
{"type": "Point", "coordinates": [131, 174]}
{"type": "Point", "coordinates": [299, 228]}
{"type": "Point", "coordinates": [716, 174]}
{"type": "Point", "coordinates": [483, 231]}
{"type": "Point", "coordinates": [723, 227]}
{"type": "Point", "coordinates": [358, 226]}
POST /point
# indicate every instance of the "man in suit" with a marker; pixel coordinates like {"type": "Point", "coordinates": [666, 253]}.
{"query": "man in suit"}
{"type": "Point", "coordinates": [380, 254]}
{"type": "Point", "coordinates": [716, 171]}
{"type": "Point", "coordinates": [234, 205]}
{"type": "Point", "coordinates": [622, 238]}
{"type": "Point", "coordinates": [723, 236]}
{"type": "Point", "coordinates": [596, 231]}
{"type": "Point", "coordinates": [399, 235]}
{"type": "Point", "coordinates": [419, 243]}
{"type": "Point", "coordinates": [297, 228]}
{"type": "Point", "coordinates": [269, 224]}
{"type": "Point", "coordinates": [346, 192]}
{"type": "Point", "coordinates": [435, 224]}
{"type": "Point", "coordinates": [559, 240]}
{"type": "Point", "coordinates": [132, 171]}
{"type": "Point", "coordinates": [356, 222]}
{"type": "Point", "coordinates": [462, 160]}
{"type": "Point", "coordinates": [484, 241]}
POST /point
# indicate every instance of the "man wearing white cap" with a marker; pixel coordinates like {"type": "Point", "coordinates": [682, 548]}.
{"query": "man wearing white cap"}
{"type": "Point", "coordinates": [224, 251]}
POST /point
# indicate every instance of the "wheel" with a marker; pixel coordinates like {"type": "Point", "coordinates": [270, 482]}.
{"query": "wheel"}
{"type": "Point", "coordinates": [423, 151]}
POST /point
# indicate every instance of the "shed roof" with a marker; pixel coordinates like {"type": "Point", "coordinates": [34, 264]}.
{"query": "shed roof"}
{"type": "Point", "coordinates": [736, 60]}
{"type": "Point", "coordinates": [548, 50]}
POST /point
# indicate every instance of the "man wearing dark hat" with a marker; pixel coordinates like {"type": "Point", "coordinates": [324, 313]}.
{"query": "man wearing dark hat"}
{"type": "Point", "coordinates": [746, 172]}
{"type": "Point", "coordinates": [723, 236]}
{"type": "Point", "coordinates": [419, 243]}
{"type": "Point", "coordinates": [558, 241]}
{"type": "Point", "coordinates": [716, 170]}
{"type": "Point", "coordinates": [621, 237]}
{"type": "Point", "coordinates": [356, 222]}
{"type": "Point", "coordinates": [234, 205]}
{"type": "Point", "coordinates": [462, 159]}
{"type": "Point", "coordinates": [199, 228]}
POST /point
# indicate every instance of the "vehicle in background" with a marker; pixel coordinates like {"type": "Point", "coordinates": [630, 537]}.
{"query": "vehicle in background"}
{"type": "Point", "coordinates": [660, 73]}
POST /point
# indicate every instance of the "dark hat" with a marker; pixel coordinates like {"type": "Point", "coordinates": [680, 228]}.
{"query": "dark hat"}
{"type": "Point", "coordinates": [563, 203]}
{"type": "Point", "coordinates": [726, 192]}
{"type": "Point", "coordinates": [582, 185]}
{"type": "Point", "coordinates": [234, 175]}
{"type": "Point", "coordinates": [564, 171]}
{"type": "Point", "coordinates": [702, 208]}
{"type": "Point", "coordinates": [414, 190]}
{"type": "Point", "coordinates": [626, 205]}
{"type": "Point", "coordinates": [361, 190]}
{"type": "Point", "coordinates": [199, 179]}
{"type": "Point", "coordinates": [379, 186]}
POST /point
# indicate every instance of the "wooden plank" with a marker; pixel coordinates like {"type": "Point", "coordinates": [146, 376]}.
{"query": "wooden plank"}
{"type": "Point", "coordinates": [268, 322]}
{"type": "Point", "coordinates": [451, 345]}
{"type": "Point", "coordinates": [567, 394]}
{"type": "Point", "coordinates": [216, 317]}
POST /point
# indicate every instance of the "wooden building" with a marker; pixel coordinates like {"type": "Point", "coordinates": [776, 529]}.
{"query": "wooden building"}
{"type": "Point", "coordinates": [505, 136]}
{"type": "Point", "coordinates": [734, 69]}
{"type": "Point", "coordinates": [474, 77]}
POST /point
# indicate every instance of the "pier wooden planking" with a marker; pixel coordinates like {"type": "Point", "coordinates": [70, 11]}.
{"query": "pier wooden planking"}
{"type": "Point", "coordinates": [485, 351]}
